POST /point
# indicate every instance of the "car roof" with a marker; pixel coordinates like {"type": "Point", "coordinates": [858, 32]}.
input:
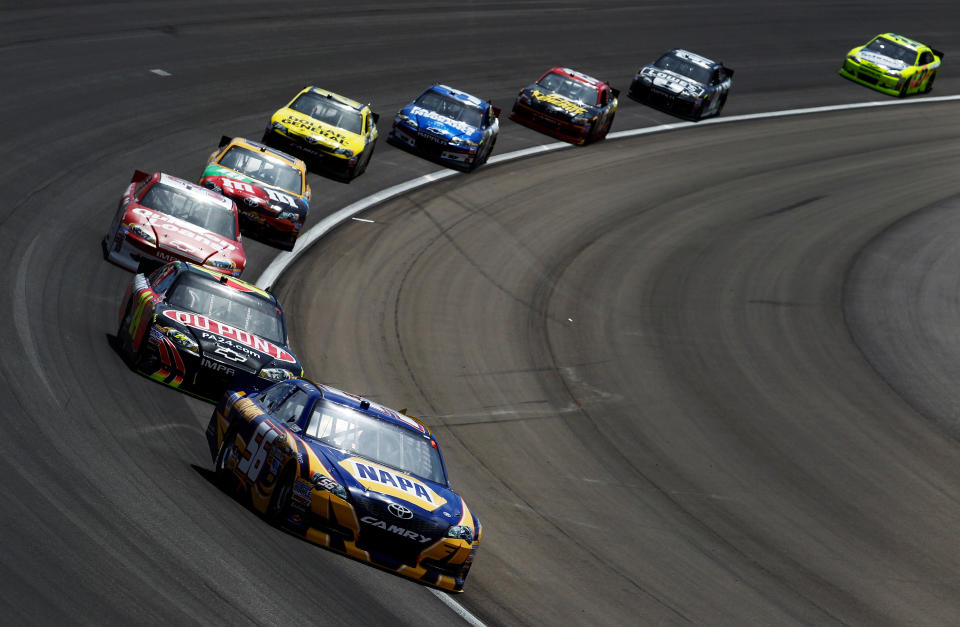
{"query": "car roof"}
{"type": "Point", "coordinates": [365, 406]}
{"type": "Point", "coordinates": [223, 279]}
{"type": "Point", "coordinates": [903, 41]}
{"type": "Point", "coordinates": [335, 96]}
{"type": "Point", "coordinates": [580, 76]}
{"type": "Point", "coordinates": [694, 58]}
{"type": "Point", "coordinates": [193, 189]}
{"type": "Point", "coordinates": [459, 95]}
{"type": "Point", "coordinates": [253, 145]}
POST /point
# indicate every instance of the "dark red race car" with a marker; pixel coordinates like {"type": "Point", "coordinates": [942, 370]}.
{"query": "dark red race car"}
{"type": "Point", "coordinates": [568, 105]}
{"type": "Point", "coordinates": [162, 218]}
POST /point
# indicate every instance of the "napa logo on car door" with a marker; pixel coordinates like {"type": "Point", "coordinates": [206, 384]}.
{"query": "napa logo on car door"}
{"type": "Point", "coordinates": [388, 481]}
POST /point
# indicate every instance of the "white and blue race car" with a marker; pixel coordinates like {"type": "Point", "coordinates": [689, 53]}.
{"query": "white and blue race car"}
{"type": "Point", "coordinates": [449, 126]}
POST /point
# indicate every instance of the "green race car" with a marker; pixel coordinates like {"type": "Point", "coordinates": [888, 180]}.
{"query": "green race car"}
{"type": "Point", "coordinates": [893, 64]}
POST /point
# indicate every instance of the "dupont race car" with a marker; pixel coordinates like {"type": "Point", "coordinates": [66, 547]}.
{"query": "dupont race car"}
{"type": "Point", "coordinates": [269, 187]}
{"type": "Point", "coordinates": [449, 126]}
{"type": "Point", "coordinates": [333, 134]}
{"type": "Point", "coordinates": [893, 64]}
{"type": "Point", "coordinates": [567, 105]}
{"type": "Point", "coordinates": [684, 84]}
{"type": "Point", "coordinates": [203, 332]}
{"type": "Point", "coordinates": [162, 218]}
{"type": "Point", "coordinates": [347, 474]}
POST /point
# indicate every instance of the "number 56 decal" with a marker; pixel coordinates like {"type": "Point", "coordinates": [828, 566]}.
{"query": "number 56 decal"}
{"type": "Point", "coordinates": [256, 450]}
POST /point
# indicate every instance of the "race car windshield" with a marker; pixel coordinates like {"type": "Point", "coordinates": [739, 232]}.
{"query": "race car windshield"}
{"type": "Point", "coordinates": [694, 72]}
{"type": "Point", "coordinates": [569, 88]}
{"type": "Point", "coordinates": [329, 111]}
{"type": "Point", "coordinates": [264, 168]}
{"type": "Point", "coordinates": [229, 306]}
{"type": "Point", "coordinates": [192, 208]}
{"type": "Point", "coordinates": [357, 433]}
{"type": "Point", "coordinates": [450, 107]}
{"type": "Point", "coordinates": [893, 50]}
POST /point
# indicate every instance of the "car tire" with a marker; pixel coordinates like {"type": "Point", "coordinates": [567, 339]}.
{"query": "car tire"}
{"type": "Point", "coordinates": [130, 357]}
{"type": "Point", "coordinates": [607, 127]}
{"type": "Point", "coordinates": [929, 86]}
{"type": "Point", "coordinates": [279, 506]}
{"type": "Point", "coordinates": [224, 476]}
{"type": "Point", "coordinates": [723, 101]}
{"type": "Point", "coordinates": [903, 90]}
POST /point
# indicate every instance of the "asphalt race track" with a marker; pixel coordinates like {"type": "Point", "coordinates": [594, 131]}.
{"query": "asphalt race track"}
{"type": "Point", "coordinates": [698, 376]}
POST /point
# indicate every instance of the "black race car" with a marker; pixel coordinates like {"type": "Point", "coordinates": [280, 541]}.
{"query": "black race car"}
{"type": "Point", "coordinates": [204, 332]}
{"type": "Point", "coordinates": [684, 84]}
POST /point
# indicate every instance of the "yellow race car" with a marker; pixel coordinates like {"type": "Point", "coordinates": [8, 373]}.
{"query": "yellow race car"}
{"type": "Point", "coordinates": [334, 135]}
{"type": "Point", "coordinates": [893, 64]}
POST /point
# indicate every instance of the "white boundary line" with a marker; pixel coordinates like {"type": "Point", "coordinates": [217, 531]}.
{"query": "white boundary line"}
{"type": "Point", "coordinates": [283, 260]}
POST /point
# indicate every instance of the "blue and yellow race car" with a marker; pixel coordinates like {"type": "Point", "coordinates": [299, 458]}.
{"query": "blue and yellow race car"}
{"type": "Point", "coordinates": [893, 64]}
{"type": "Point", "coordinates": [449, 126]}
{"type": "Point", "coordinates": [347, 474]}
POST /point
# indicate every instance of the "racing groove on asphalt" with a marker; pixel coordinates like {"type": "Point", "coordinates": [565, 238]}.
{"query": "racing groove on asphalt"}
{"type": "Point", "coordinates": [636, 352]}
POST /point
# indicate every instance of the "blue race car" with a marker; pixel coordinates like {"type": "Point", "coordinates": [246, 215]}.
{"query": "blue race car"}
{"type": "Point", "coordinates": [347, 474]}
{"type": "Point", "coordinates": [449, 126]}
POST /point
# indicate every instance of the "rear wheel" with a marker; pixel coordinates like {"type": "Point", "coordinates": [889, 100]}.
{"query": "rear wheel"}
{"type": "Point", "coordinates": [279, 506]}
{"type": "Point", "coordinates": [228, 452]}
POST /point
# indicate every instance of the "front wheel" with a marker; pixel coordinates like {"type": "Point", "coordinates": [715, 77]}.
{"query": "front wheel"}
{"type": "Point", "coordinates": [929, 86]}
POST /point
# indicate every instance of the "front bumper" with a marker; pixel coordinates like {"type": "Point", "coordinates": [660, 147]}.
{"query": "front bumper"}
{"type": "Point", "coordinates": [551, 125]}
{"type": "Point", "coordinates": [338, 166]}
{"type": "Point", "coordinates": [665, 101]}
{"type": "Point", "coordinates": [874, 79]}
{"type": "Point", "coordinates": [425, 145]}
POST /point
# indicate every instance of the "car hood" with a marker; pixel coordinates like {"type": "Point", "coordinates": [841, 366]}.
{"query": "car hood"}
{"type": "Point", "coordinates": [433, 122]}
{"type": "Point", "coordinates": [673, 82]}
{"type": "Point", "coordinates": [316, 132]}
{"type": "Point", "coordinates": [181, 238]}
{"type": "Point", "coordinates": [560, 104]}
{"type": "Point", "coordinates": [230, 345]}
{"type": "Point", "coordinates": [881, 60]}
{"type": "Point", "coordinates": [367, 480]}
{"type": "Point", "coordinates": [248, 192]}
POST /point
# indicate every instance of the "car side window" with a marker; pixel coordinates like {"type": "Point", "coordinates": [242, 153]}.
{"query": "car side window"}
{"type": "Point", "coordinates": [603, 97]}
{"type": "Point", "coordinates": [926, 57]}
{"type": "Point", "coordinates": [291, 408]}
{"type": "Point", "coordinates": [273, 396]}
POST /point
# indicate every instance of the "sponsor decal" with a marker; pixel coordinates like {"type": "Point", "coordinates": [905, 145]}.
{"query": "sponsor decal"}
{"type": "Point", "coordinates": [400, 511]}
{"type": "Point", "coordinates": [173, 225]}
{"type": "Point", "coordinates": [317, 128]}
{"type": "Point", "coordinates": [397, 529]}
{"type": "Point", "coordinates": [387, 481]}
{"type": "Point", "coordinates": [302, 494]}
{"type": "Point", "coordinates": [230, 354]}
{"type": "Point", "coordinates": [463, 127]}
{"type": "Point", "coordinates": [558, 101]}
{"type": "Point", "coordinates": [202, 323]}
{"type": "Point", "coordinates": [881, 60]}
{"type": "Point", "coordinates": [209, 364]}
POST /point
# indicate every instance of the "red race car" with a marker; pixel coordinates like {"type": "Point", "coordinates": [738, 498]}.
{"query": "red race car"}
{"type": "Point", "coordinates": [568, 105]}
{"type": "Point", "coordinates": [162, 218]}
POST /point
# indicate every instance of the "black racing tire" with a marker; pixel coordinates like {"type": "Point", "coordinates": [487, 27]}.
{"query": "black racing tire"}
{"type": "Point", "coordinates": [223, 475]}
{"type": "Point", "coordinates": [929, 86]}
{"type": "Point", "coordinates": [903, 90]}
{"type": "Point", "coordinates": [366, 160]}
{"type": "Point", "coordinates": [279, 506]}
{"type": "Point", "coordinates": [723, 101]}
{"type": "Point", "coordinates": [130, 357]}
{"type": "Point", "coordinates": [607, 127]}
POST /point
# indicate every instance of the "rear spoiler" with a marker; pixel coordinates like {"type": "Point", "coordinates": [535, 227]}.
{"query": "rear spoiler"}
{"type": "Point", "coordinates": [728, 71]}
{"type": "Point", "coordinates": [139, 175]}
{"type": "Point", "coordinates": [616, 92]}
{"type": "Point", "coordinates": [937, 52]}
{"type": "Point", "coordinates": [496, 111]}
{"type": "Point", "coordinates": [224, 140]}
